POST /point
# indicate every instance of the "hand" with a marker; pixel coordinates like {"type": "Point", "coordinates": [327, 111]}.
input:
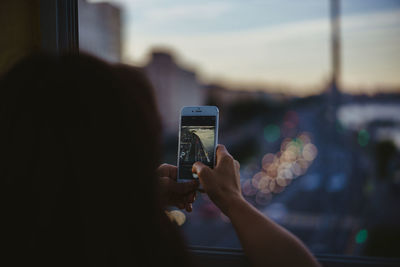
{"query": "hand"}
{"type": "Point", "coordinates": [222, 184]}
{"type": "Point", "coordinates": [181, 195]}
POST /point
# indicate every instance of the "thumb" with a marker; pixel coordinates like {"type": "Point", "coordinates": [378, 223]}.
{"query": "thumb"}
{"type": "Point", "coordinates": [201, 170]}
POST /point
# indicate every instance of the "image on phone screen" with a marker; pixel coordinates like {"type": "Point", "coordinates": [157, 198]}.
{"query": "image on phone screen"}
{"type": "Point", "coordinates": [197, 143]}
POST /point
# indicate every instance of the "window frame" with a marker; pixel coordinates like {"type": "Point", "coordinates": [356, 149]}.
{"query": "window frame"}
{"type": "Point", "coordinates": [60, 34]}
{"type": "Point", "coordinates": [59, 26]}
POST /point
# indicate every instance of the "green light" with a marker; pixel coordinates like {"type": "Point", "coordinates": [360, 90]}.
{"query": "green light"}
{"type": "Point", "coordinates": [272, 132]}
{"type": "Point", "coordinates": [363, 138]}
{"type": "Point", "coordinates": [298, 143]}
{"type": "Point", "coordinates": [361, 236]}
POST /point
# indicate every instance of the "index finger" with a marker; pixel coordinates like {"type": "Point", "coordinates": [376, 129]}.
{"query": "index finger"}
{"type": "Point", "coordinates": [221, 152]}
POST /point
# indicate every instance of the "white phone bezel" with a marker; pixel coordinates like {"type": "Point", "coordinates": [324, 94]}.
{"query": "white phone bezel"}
{"type": "Point", "coordinates": [198, 111]}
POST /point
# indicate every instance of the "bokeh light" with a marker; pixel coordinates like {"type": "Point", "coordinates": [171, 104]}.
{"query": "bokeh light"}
{"type": "Point", "coordinates": [363, 138]}
{"type": "Point", "coordinates": [284, 143]}
{"type": "Point", "coordinates": [279, 169]}
{"type": "Point", "coordinates": [281, 181]}
{"type": "Point", "coordinates": [263, 186]}
{"type": "Point", "coordinates": [176, 216]}
{"type": "Point", "coordinates": [256, 179]}
{"type": "Point", "coordinates": [248, 189]}
{"type": "Point", "coordinates": [305, 138]}
{"type": "Point", "coordinates": [309, 152]}
{"type": "Point", "coordinates": [272, 133]}
{"type": "Point", "coordinates": [296, 169]}
{"type": "Point", "coordinates": [267, 160]}
{"type": "Point", "coordinates": [361, 236]}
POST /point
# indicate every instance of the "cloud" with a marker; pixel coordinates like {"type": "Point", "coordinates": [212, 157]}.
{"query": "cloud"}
{"type": "Point", "coordinates": [187, 12]}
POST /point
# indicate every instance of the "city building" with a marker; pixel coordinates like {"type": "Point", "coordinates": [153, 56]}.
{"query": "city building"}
{"type": "Point", "coordinates": [174, 87]}
{"type": "Point", "coordinates": [100, 30]}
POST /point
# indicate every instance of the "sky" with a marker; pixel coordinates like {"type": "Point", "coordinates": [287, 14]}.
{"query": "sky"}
{"type": "Point", "coordinates": [271, 44]}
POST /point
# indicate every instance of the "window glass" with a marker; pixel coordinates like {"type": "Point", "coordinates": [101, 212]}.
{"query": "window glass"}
{"type": "Point", "coordinates": [311, 111]}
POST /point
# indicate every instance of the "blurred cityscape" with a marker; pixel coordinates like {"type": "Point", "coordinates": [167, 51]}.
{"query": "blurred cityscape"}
{"type": "Point", "coordinates": [326, 166]}
{"type": "Point", "coordinates": [338, 154]}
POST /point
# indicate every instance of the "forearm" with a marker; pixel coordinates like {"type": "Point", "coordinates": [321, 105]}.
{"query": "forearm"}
{"type": "Point", "coordinates": [264, 242]}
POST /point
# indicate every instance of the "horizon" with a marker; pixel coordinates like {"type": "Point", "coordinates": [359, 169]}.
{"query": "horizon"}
{"type": "Point", "coordinates": [279, 88]}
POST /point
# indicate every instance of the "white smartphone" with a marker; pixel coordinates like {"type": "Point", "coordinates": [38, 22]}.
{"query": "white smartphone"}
{"type": "Point", "coordinates": [198, 139]}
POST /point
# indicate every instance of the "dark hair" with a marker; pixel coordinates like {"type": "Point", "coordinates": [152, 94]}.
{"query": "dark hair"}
{"type": "Point", "coordinates": [79, 144]}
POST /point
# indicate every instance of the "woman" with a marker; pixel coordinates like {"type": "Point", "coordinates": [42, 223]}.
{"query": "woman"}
{"type": "Point", "coordinates": [80, 146]}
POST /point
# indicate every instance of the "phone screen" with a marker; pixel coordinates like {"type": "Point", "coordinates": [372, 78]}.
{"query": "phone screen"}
{"type": "Point", "coordinates": [197, 143]}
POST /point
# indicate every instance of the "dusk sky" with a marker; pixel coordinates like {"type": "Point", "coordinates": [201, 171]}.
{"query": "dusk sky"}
{"type": "Point", "coordinates": [271, 42]}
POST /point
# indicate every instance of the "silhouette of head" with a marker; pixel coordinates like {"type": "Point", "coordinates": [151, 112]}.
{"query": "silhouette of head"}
{"type": "Point", "coordinates": [80, 141]}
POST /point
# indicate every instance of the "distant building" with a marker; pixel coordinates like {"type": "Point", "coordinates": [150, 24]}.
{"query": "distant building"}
{"type": "Point", "coordinates": [100, 30]}
{"type": "Point", "coordinates": [174, 87]}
